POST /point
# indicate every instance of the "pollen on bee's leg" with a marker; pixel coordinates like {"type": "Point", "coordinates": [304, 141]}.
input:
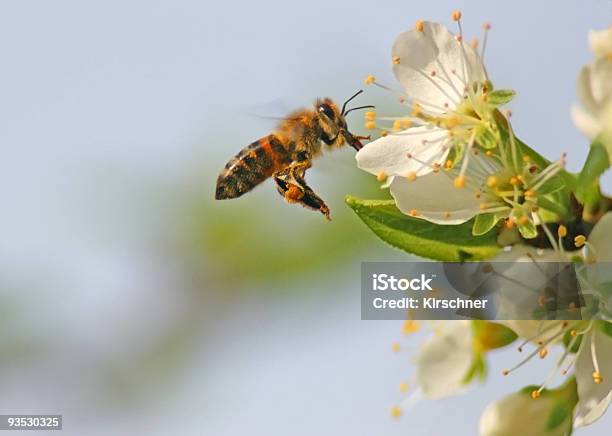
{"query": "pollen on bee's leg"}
{"type": "Point", "coordinates": [294, 194]}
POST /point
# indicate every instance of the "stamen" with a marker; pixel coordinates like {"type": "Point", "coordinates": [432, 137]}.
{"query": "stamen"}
{"type": "Point", "coordinates": [411, 176]}
{"type": "Point", "coordinates": [396, 412]}
{"type": "Point", "coordinates": [579, 241]}
{"type": "Point", "coordinates": [369, 80]}
{"type": "Point", "coordinates": [395, 347]}
{"type": "Point", "coordinates": [419, 25]}
{"type": "Point", "coordinates": [381, 176]}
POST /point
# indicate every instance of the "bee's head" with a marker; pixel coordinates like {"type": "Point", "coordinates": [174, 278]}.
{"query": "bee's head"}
{"type": "Point", "coordinates": [333, 124]}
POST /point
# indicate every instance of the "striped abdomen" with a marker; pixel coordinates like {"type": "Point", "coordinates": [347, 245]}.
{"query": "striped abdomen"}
{"type": "Point", "coordinates": [254, 164]}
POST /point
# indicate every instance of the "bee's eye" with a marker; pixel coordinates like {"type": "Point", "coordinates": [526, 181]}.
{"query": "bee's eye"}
{"type": "Point", "coordinates": [327, 110]}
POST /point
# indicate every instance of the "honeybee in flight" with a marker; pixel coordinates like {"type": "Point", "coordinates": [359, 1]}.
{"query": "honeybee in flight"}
{"type": "Point", "coordinates": [288, 152]}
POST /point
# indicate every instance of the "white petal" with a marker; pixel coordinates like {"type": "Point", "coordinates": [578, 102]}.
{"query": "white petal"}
{"type": "Point", "coordinates": [519, 414]}
{"type": "Point", "coordinates": [389, 154]}
{"type": "Point", "coordinates": [601, 42]}
{"type": "Point", "coordinates": [427, 60]}
{"type": "Point", "coordinates": [601, 81]}
{"type": "Point", "coordinates": [601, 238]}
{"type": "Point", "coordinates": [593, 398]}
{"type": "Point", "coordinates": [435, 198]}
{"type": "Point", "coordinates": [444, 361]}
{"type": "Point", "coordinates": [585, 122]}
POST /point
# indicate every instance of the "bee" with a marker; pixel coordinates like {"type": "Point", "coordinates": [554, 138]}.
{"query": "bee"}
{"type": "Point", "coordinates": [287, 153]}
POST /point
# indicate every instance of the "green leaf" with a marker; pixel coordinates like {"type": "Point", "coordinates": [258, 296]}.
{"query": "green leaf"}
{"type": "Point", "coordinates": [598, 161]}
{"type": "Point", "coordinates": [558, 415]}
{"type": "Point", "coordinates": [483, 223]}
{"type": "Point", "coordinates": [605, 326]}
{"type": "Point", "coordinates": [486, 138]}
{"type": "Point", "coordinates": [451, 243]}
{"type": "Point", "coordinates": [500, 97]}
{"type": "Point", "coordinates": [528, 230]}
{"type": "Point", "coordinates": [491, 335]}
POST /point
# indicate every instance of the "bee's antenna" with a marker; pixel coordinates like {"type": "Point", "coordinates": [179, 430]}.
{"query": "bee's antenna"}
{"type": "Point", "coordinates": [346, 102]}
{"type": "Point", "coordinates": [359, 107]}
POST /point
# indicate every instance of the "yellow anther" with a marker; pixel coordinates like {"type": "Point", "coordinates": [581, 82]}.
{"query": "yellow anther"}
{"type": "Point", "coordinates": [509, 223]}
{"type": "Point", "coordinates": [381, 176]}
{"type": "Point", "coordinates": [514, 181]}
{"type": "Point", "coordinates": [403, 387]}
{"type": "Point", "coordinates": [369, 79]}
{"type": "Point", "coordinates": [409, 325]}
{"type": "Point", "coordinates": [370, 115]}
{"type": "Point", "coordinates": [579, 241]}
{"type": "Point", "coordinates": [459, 182]}
{"type": "Point", "coordinates": [456, 15]}
{"type": "Point", "coordinates": [530, 194]}
{"type": "Point", "coordinates": [491, 181]}
{"type": "Point", "coordinates": [489, 153]}
{"type": "Point", "coordinates": [384, 133]}
{"type": "Point", "coordinates": [396, 412]}
{"type": "Point", "coordinates": [520, 177]}
{"type": "Point", "coordinates": [449, 164]}
{"type": "Point", "coordinates": [543, 352]}
{"type": "Point", "coordinates": [396, 60]}
{"type": "Point", "coordinates": [406, 124]}
{"type": "Point", "coordinates": [370, 125]}
{"type": "Point", "coordinates": [505, 372]}
{"type": "Point", "coordinates": [562, 231]}
{"type": "Point", "coordinates": [397, 125]}
{"type": "Point", "coordinates": [477, 194]}
{"type": "Point", "coordinates": [482, 206]}
{"type": "Point", "coordinates": [419, 25]}
{"type": "Point", "coordinates": [395, 347]}
{"type": "Point", "coordinates": [573, 333]}
{"type": "Point", "coordinates": [526, 158]}
{"type": "Point", "coordinates": [535, 394]}
{"type": "Point", "coordinates": [416, 110]}
{"type": "Point", "coordinates": [447, 215]}
{"type": "Point", "coordinates": [451, 122]}
{"type": "Point", "coordinates": [523, 220]}
{"type": "Point", "coordinates": [597, 378]}
{"type": "Point", "coordinates": [411, 176]}
{"type": "Point", "coordinates": [474, 43]}
{"type": "Point", "coordinates": [413, 212]}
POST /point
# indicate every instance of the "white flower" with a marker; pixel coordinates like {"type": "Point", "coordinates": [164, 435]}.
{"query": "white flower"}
{"type": "Point", "coordinates": [438, 73]}
{"type": "Point", "coordinates": [445, 359]}
{"type": "Point", "coordinates": [601, 42]}
{"type": "Point", "coordinates": [594, 118]}
{"type": "Point", "coordinates": [453, 156]}
{"type": "Point", "coordinates": [520, 414]}
{"type": "Point", "coordinates": [594, 374]}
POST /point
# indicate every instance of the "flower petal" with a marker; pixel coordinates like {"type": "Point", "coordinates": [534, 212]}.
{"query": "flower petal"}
{"type": "Point", "coordinates": [433, 65]}
{"type": "Point", "coordinates": [585, 122]}
{"type": "Point", "coordinates": [594, 398]}
{"type": "Point", "coordinates": [389, 154]}
{"type": "Point", "coordinates": [601, 42]}
{"type": "Point", "coordinates": [435, 199]}
{"type": "Point", "coordinates": [445, 359]}
{"type": "Point", "coordinates": [601, 238]}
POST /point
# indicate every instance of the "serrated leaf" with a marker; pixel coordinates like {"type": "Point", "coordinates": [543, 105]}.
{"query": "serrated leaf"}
{"type": "Point", "coordinates": [483, 223]}
{"type": "Point", "coordinates": [500, 97]}
{"type": "Point", "coordinates": [451, 243]}
{"type": "Point", "coordinates": [597, 162]}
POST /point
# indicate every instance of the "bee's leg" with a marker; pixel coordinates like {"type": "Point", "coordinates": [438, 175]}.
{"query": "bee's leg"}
{"type": "Point", "coordinates": [292, 186]}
